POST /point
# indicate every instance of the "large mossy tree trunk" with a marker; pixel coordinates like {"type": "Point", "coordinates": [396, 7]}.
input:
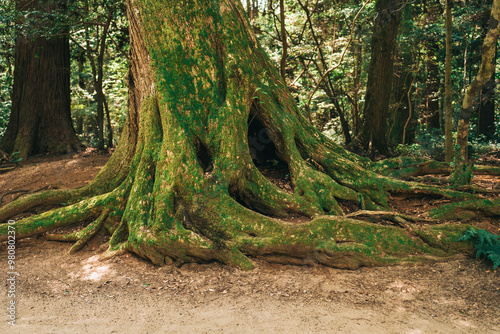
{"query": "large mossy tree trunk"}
{"type": "Point", "coordinates": [183, 186]}
{"type": "Point", "coordinates": [40, 119]}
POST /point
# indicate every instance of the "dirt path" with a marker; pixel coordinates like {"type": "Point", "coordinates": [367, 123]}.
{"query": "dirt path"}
{"type": "Point", "coordinates": [59, 293]}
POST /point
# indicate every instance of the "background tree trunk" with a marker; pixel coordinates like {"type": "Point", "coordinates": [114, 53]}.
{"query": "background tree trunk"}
{"type": "Point", "coordinates": [486, 114]}
{"type": "Point", "coordinates": [379, 86]}
{"type": "Point", "coordinates": [488, 57]}
{"type": "Point", "coordinates": [447, 87]}
{"type": "Point", "coordinates": [357, 49]}
{"type": "Point", "coordinates": [433, 84]}
{"type": "Point", "coordinates": [284, 43]}
{"type": "Point", "coordinates": [40, 119]}
{"type": "Point", "coordinates": [433, 11]}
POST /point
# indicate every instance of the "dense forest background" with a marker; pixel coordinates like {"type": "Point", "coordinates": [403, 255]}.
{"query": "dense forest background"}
{"type": "Point", "coordinates": [322, 49]}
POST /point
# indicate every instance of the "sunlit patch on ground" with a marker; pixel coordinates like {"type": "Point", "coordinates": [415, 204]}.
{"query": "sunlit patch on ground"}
{"type": "Point", "coordinates": [93, 270]}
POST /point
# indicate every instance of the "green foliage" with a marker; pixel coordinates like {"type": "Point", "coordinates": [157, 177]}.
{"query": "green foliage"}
{"type": "Point", "coordinates": [86, 44]}
{"type": "Point", "coordinates": [83, 104]}
{"type": "Point", "coordinates": [487, 244]}
{"type": "Point", "coordinates": [421, 46]}
{"type": "Point", "coordinates": [6, 61]}
{"type": "Point", "coordinates": [14, 157]}
{"type": "Point", "coordinates": [312, 50]}
{"type": "Point", "coordinates": [429, 144]}
{"type": "Point", "coordinates": [5, 101]}
{"type": "Point", "coordinates": [411, 150]}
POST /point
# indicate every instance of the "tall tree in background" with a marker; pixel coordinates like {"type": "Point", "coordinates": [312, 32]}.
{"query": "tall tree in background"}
{"type": "Point", "coordinates": [486, 113]}
{"type": "Point", "coordinates": [402, 116]}
{"type": "Point", "coordinates": [486, 107]}
{"type": "Point", "coordinates": [448, 134]}
{"type": "Point", "coordinates": [432, 13]}
{"type": "Point", "coordinates": [486, 70]}
{"type": "Point", "coordinates": [283, 40]}
{"type": "Point", "coordinates": [40, 119]}
{"type": "Point", "coordinates": [379, 86]}
{"type": "Point", "coordinates": [182, 187]}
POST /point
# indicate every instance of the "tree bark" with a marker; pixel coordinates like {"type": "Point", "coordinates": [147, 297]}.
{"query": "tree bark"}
{"type": "Point", "coordinates": [40, 119]}
{"type": "Point", "coordinates": [433, 84]}
{"type": "Point", "coordinates": [433, 11]}
{"type": "Point", "coordinates": [356, 86]}
{"type": "Point", "coordinates": [402, 118]}
{"type": "Point", "coordinates": [486, 114]}
{"type": "Point", "coordinates": [486, 70]}
{"type": "Point", "coordinates": [486, 111]}
{"type": "Point", "coordinates": [284, 43]}
{"type": "Point", "coordinates": [379, 86]}
{"type": "Point", "coordinates": [448, 134]}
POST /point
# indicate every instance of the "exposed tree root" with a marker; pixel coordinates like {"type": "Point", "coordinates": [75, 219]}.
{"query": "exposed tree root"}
{"type": "Point", "coordinates": [23, 192]}
{"type": "Point", "coordinates": [5, 169]}
{"type": "Point", "coordinates": [67, 216]}
{"type": "Point", "coordinates": [28, 202]}
{"type": "Point", "coordinates": [235, 233]}
{"type": "Point", "coordinates": [20, 192]}
{"type": "Point", "coordinates": [477, 190]}
{"type": "Point", "coordinates": [467, 210]}
{"type": "Point", "coordinates": [407, 167]}
{"type": "Point", "coordinates": [82, 237]}
{"type": "Point", "coordinates": [388, 215]}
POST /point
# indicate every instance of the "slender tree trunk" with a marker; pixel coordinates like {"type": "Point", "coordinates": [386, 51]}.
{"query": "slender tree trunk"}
{"type": "Point", "coordinates": [486, 114]}
{"type": "Point", "coordinates": [283, 40]}
{"type": "Point", "coordinates": [343, 121]}
{"type": "Point", "coordinates": [379, 86]}
{"type": "Point", "coordinates": [403, 117]}
{"type": "Point", "coordinates": [40, 119]}
{"type": "Point", "coordinates": [433, 84]}
{"type": "Point", "coordinates": [97, 64]}
{"type": "Point", "coordinates": [355, 110]}
{"type": "Point", "coordinates": [108, 123]}
{"type": "Point", "coordinates": [433, 10]}
{"type": "Point", "coordinates": [484, 74]}
{"type": "Point", "coordinates": [447, 87]}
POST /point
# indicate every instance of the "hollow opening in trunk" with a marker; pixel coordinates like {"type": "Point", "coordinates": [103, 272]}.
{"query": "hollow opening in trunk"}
{"type": "Point", "coordinates": [260, 144]}
{"type": "Point", "coordinates": [204, 157]}
{"type": "Point", "coordinates": [264, 154]}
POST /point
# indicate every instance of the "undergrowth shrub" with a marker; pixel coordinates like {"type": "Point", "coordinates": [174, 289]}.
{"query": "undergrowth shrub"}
{"type": "Point", "coordinates": [486, 243]}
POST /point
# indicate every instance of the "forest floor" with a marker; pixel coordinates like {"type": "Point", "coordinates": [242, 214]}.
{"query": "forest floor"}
{"type": "Point", "coordinates": [61, 293]}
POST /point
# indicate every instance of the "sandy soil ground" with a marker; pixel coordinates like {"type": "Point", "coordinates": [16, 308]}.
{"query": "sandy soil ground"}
{"type": "Point", "coordinates": [61, 293]}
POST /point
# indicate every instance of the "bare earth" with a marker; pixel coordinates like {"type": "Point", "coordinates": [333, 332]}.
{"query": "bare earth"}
{"type": "Point", "coordinates": [61, 293]}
